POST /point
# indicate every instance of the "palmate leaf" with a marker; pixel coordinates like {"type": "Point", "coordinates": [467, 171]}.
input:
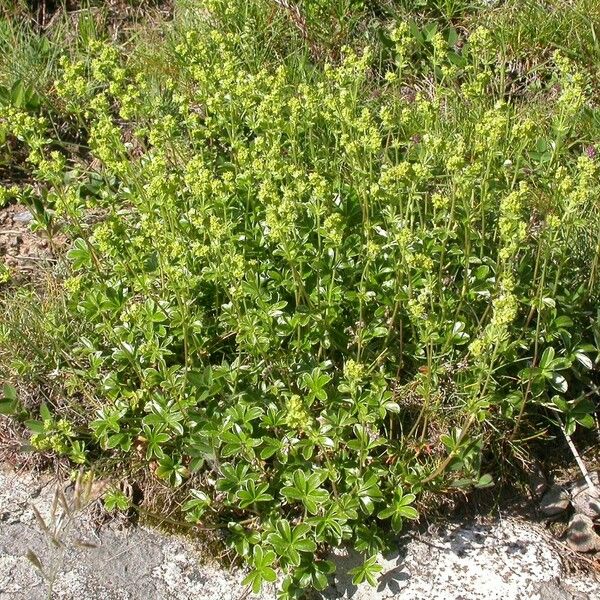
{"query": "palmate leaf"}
{"type": "Point", "coordinates": [162, 414]}
{"type": "Point", "coordinates": [252, 493]}
{"type": "Point", "coordinates": [80, 254]}
{"type": "Point", "coordinates": [399, 510]}
{"type": "Point", "coordinates": [243, 414]}
{"type": "Point", "coordinates": [261, 569]}
{"type": "Point", "coordinates": [238, 442]}
{"type": "Point", "coordinates": [368, 491]}
{"type": "Point", "coordinates": [270, 447]}
{"type": "Point", "coordinates": [196, 506]}
{"type": "Point", "coordinates": [119, 440]}
{"type": "Point", "coordinates": [288, 542]}
{"type": "Point", "coordinates": [315, 573]}
{"type": "Point", "coordinates": [306, 490]}
{"type": "Point", "coordinates": [171, 470]}
{"type": "Point", "coordinates": [154, 438]}
{"type": "Point", "coordinates": [234, 477]}
{"type": "Point", "coordinates": [314, 383]}
{"type": "Point", "coordinates": [366, 572]}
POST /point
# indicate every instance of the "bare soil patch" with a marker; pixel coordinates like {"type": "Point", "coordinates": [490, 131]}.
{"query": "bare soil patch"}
{"type": "Point", "coordinates": [22, 251]}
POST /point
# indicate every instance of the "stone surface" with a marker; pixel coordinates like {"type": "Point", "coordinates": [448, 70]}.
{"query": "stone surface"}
{"type": "Point", "coordinates": [538, 482]}
{"type": "Point", "coordinates": [555, 501]}
{"type": "Point", "coordinates": [555, 590]}
{"type": "Point", "coordinates": [110, 564]}
{"type": "Point", "coordinates": [586, 501]}
{"type": "Point", "coordinates": [581, 536]}
{"type": "Point", "coordinates": [504, 559]}
{"type": "Point", "coordinates": [23, 216]}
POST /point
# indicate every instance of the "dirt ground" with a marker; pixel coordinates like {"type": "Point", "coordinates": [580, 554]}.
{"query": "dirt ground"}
{"type": "Point", "coordinates": [22, 251]}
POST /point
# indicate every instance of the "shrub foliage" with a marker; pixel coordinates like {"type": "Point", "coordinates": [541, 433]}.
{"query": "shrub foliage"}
{"type": "Point", "coordinates": [309, 290]}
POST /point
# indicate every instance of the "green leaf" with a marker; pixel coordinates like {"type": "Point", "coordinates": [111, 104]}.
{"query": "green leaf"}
{"type": "Point", "coordinates": [306, 490]}
{"type": "Point", "coordinates": [315, 383]}
{"type": "Point", "coordinates": [559, 383]}
{"type": "Point", "coordinates": [45, 412]}
{"type": "Point", "coordinates": [252, 494]}
{"type": "Point", "coordinates": [315, 574]}
{"type": "Point", "coordinates": [9, 392]}
{"type": "Point", "coordinates": [171, 470]}
{"type": "Point", "coordinates": [288, 542]}
{"type": "Point", "coordinates": [584, 359]}
{"type": "Point", "coordinates": [35, 426]}
{"type": "Point", "coordinates": [116, 500]}
{"type": "Point", "coordinates": [196, 506]}
{"type": "Point", "coordinates": [366, 572]}
{"type": "Point", "coordinates": [399, 509]}
{"type": "Point", "coordinates": [262, 571]}
{"type": "Point", "coordinates": [271, 447]}
{"type": "Point", "coordinates": [80, 254]}
{"type": "Point", "coordinates": [485, 481]}
{"type": "Point", "coordinates": [119, 440]}
{"type": "Point", "coordinates": [8, 408]}
{"type": "Point", "coordinates": [8, 400]}
{"type": "Point", "coordinates": [563, 322]}
{"type": "Point", "coordinates": [547, 358]}
{"type": "Point", "coordinates": [559, 403]}
{"type": "Point", "coordinates": [17, 94]}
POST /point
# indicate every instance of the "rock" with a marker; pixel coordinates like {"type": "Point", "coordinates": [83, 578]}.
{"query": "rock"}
{"type": "Point", "coordinates": [537, 482]}
{"type": "Point", "coordinates": [581, 536]}
{"type": "Point", "coordinates": [555, 501]}
{"type": "Point", "coordinates": [552, 591]}
{"type": "Point", "coordinates": [557, 590]}
{"type": "Point", "coordinates": [586, 501]}
{"type": "Point", "coordinates": [23, 217]}
{"type": "Point", "coordinates": [489, 559]}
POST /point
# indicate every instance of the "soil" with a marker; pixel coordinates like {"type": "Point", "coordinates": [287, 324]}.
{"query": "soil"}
{"type": "Point", "coordinates": [25, 253]}
{"type": "Point", "coordinates": [43, 13]}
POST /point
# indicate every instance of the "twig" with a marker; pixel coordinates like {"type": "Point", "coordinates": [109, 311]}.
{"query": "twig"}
{"type": "Point", "coordinates": [244, 594]}
{"type": "Point", "coordinates": [578, 459]}
{"type": "Point", "coordinates": [38, 258]}
{"type": "Point", "coordinates": [298, 19]}
{"type": "Point", "coordinates": [576, 556]}
{"type": "Point", "coordinates": [295, 15]}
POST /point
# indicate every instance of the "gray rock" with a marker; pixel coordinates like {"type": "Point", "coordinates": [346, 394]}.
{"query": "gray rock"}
{"type": "Point", "coordinates": [23, 217]}
{"type": "Point", "coordinates": [581, 536]}
{"type": "Point", "coordinates": [537, 482]}
{"type": "Point", "coordinates": [491, 559]}
{"type": "Point", "coordinates": [555, 501]}
{"type": "Point", "coordinates": [586, 501]}
{"type": "Point", "coordinates": [556, 590]}
{"type": "Point", "coordinates": [552, 591]}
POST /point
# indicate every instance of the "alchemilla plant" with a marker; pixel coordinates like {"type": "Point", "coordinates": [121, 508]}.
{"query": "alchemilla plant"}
{"type": "Point", "coordinates": [308, 291]}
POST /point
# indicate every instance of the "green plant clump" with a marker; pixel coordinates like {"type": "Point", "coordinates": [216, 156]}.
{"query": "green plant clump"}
{"type": "Point", "coordinates": [313, 291]}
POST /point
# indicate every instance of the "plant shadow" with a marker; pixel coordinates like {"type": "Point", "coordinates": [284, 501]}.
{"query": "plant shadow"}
{"type": "Point", "coordinates": [391, 580]}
